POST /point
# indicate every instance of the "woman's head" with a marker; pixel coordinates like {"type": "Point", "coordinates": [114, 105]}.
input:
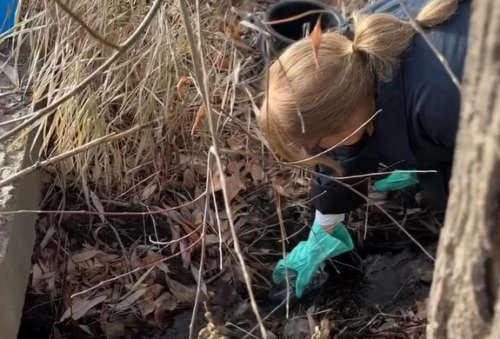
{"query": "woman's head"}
{"type": "Point", "coordinates": [309, 104]}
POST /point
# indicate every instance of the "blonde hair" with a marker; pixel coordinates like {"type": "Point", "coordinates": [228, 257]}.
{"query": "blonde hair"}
{"type": "Point", "coordinates": [306, 102]}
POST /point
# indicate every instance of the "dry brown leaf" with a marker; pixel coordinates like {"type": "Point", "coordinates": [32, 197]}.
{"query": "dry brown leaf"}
{"type": "Point", "coordinates": [316, 37]}
{"type": "Point", "coordinates": [113, 330]}
{"type": "Point", "coordinates": [36, 276]}
{"type": "Point", "coordinates": [235, 143]}
{"type": "Point", "coordinates": [181, 84]}
{"type": "Point", "coordinates": [199, 116]}
{"type": "Point", "coordinates": [130, 300]}
{"type": "Point", "coordinates": [166, 302]}
{"type": "Point", "coordinates": [185, 254]}
{"type": "Point", "coordinates": [153, 292]}
{"type": "Point", "coordinates": [224, 64]}
{"type": "Point", "coordinates": [48, 235]}
{"type": "Point", "coordinates": [176, 235]}
{"type": "Point", "coordinates": [234, 186]}
{"type": "Point", "coordinates": [84, 256]}
{"type": "Point", "coordinates": [197, 217]}
{"type": "Point", "coordinates": [80, 307]}
{"type": "Point", "coordinates": [151, 258]}
{"type": "Point", "coordinates": [146, 307]}
{"type": "Point", "coordinates": [108, 257]}
{"type": "Point", "coordinates": [237, 31]}
{"type": "Point", "coordinates": [148, 191]}
{"type": "Point", "coordinates": [188, 179]}
{"type": "Point", "coordinates": [211, 239]}
{"type": "Point", "coordinates": [257, 172]}
{"type": "Point", "coordinates": [181, 292]}
{"type": "Point", "coordinates": [98, 205]}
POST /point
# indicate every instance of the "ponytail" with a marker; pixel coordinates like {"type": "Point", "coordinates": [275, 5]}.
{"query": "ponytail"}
{"type": "Point", "coordinates": [382, 38]}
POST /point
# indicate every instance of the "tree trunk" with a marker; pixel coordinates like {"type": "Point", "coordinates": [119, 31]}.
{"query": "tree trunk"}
{"type": "Point", "coordinates": [464, 297]}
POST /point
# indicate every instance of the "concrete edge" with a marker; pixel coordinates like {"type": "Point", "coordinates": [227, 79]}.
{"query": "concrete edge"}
{"type": "Point", "coordinates": [17, 232]}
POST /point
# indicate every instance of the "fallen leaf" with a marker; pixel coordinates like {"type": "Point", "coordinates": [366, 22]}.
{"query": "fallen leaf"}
{"type": "Point", "coordinates": [427, 276]}
{"type": "Point", "coordinates": [114, 329]}
{"type": "Point", "coordinates": [166, 302]}
{"type": "Point", "coordinates": [224, 64]}
{"type": "Point", "coordinates": [130, 300]}
{"type": "Point", "coordinates": [176, 235]}
{"type": "Point", "coordinates": [181, 292]}
{"type": "Point", "coordinates": [181, 84]}
{"type": "Point", "coordinates": [48, 235]}
{"type": "Point", "coordinates": [108, 257]}
{"type": "Point", "coordinates": [146, 307]}
{"type": "Point", "coordinates": [84, 256]}
{"type": "Point", "coordinates": [387, 325]}
{"type": "Point", "coordinates": [98, 205]}
{"type": "Point", "coordinates": [235, 143]}
{"type": "Point", "coordinates": [237, 31]}
{"type": "Point", "coordinates": [234, 185]}
{"type": "Point", "coordinates": [316, 37]}
{"type": "Point", "coordinates": [310, 319]}
{"type": "Point", "coordinates": [148, 191]}
{"type": "Point", "coordinates": [196, 274]}
{"type": "Point", "coordinates": [36, 275]}
{"type": "Point", "coordinates": [154, 292]}
{"type": "Point", "coordinates": [211, 239]}
{"type": "Point", "coordinates": [188, 179]}
{"type": "Point", "coordinates": [199, 116]}
{"type": "Point", "coordinates": [185, 254]}
{"type": "Point", "coordinates": [257, 172]}
{"type": "Point", "coordinates": [152, 258]}
{"type": "Point", "coordinates": [80, 307]}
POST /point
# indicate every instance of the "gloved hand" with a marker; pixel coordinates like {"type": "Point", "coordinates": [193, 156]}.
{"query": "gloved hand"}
{"type": "Point", "coordinates": [395, 181]}
{"type": "Point", "coordinates": [304, 260]}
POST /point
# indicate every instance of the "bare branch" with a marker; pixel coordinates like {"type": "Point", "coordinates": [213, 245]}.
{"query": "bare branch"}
{"type": "Point", "coordinates": [89, 30]}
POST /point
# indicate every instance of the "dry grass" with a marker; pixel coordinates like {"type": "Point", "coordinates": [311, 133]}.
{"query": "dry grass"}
{"type": "Point", "coordinates": [152, 81]}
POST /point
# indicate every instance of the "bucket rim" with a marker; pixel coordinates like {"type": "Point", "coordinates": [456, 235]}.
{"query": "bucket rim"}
{"type": "Point", "coordinates": [321, 6]}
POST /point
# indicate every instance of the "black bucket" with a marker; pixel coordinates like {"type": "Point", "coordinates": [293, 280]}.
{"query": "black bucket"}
{"type": "Point", "coordinates": [286, 33]}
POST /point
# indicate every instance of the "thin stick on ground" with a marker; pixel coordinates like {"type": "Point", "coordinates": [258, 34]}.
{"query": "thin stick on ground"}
{"type": "Point", "coordinates": [203, 251]}
{"type": "Point", "coordinates": [201, 77]}
{"type": "Point", "coordinates": [105, 66]}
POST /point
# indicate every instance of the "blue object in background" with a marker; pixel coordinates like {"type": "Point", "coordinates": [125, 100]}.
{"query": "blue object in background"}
{"type": "Point", "coordinates": [7, 14]}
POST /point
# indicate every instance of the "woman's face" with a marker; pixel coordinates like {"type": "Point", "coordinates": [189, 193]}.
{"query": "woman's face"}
{"type": "Point", "coordinates": [349, 134]}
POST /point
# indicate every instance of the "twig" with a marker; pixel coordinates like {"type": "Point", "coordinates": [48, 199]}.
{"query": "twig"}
{"type": "Point", "coordinates": [78, 88]}
{"type": "Point", "coordinates": [89, 30]}
{"type": "Point", "coordinates": [158, 211]}
{"type": "Point", "coordinates": [203, 250]}
{"type": "Point", "coordinates": [283, 249]}
{"type": "Point", "coordinates": [73, 152]}
{"type": "Point", "coordinates": [201, 77]}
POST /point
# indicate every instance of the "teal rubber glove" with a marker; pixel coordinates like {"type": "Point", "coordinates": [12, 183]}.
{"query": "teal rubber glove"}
{"type": "Point", "coordinates": [397, 180]}
{"type": "Point", "coordinates": [305, 259]}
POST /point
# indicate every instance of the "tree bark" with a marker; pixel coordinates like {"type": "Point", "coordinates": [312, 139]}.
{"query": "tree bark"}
{"type": "Point", "coordinates": [464, 301]}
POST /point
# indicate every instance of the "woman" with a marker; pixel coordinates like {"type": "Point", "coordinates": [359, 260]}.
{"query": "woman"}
{"type": "Point", "coordinates": [375, 68]}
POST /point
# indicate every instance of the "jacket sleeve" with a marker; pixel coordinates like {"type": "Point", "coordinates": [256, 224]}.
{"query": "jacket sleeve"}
{"type": "Point", "coordinates": [330, 197]}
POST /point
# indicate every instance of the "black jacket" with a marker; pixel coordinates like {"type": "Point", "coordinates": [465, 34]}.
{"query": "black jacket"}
{"type": "Point", "coordinates": [418, 123]}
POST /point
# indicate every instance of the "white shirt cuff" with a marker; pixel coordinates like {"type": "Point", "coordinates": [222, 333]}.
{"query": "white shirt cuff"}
{"type": "Point", "coordinates": [328, 219]}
